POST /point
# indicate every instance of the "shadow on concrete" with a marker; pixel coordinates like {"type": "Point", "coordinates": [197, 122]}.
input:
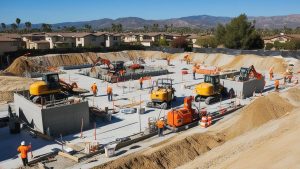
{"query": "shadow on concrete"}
{"type": "Point", "coordinates": [120, 152]}
{"type": "Point", "coordinates": [134, 147]}
{"type": "Point", "coordinates": [149, 111]}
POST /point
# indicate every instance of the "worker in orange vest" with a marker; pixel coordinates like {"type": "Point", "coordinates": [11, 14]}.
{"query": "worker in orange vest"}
{"type": "Point", "coordinates": [23, 149]}
{"type": "Point", "coordinates": [194, 71]}
{"type": "Point", "coordinates": [276, 84]}
{"type": "Point", "coordinates": [160, 125]}
{"type": "Point", "coordinates": [168, 60]}
{"type": "Point", "coordinates": [94, 89]}
{"type": "Point", "coordinates": [271, 73]}
{"type": "Point", "coordinates": [109, 93]}
{"type": "Point", "coordinates": [141, 83]}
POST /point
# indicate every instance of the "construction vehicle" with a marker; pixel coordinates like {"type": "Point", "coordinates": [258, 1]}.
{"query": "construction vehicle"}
{"type": "Point", "coordinates": [247, 73]}
{"type": "Point", "coordinates": [113, 67]}
{"type": "Point", "coordinates": [52, 86]}
{"type": "Point", "coordinates": [162, 95]}
{"type": "Point", "coordinates": [182, 117]}
{"type": "Point", "coordinates": [211, 90]}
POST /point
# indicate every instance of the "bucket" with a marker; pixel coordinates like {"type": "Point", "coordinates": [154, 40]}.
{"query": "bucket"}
{"type": "Point", "coordinates": [110, 150]}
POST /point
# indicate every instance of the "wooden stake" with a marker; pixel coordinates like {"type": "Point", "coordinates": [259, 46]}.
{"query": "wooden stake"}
{"type": "Point", "coordinates": [95, 130]}
{"type": "Point", "coordinates": [81, 128]}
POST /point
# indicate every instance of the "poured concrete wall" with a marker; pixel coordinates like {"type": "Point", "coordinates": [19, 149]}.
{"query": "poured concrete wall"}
{"type": "Point", "coordinates": [66, 119]}
{"type": "Point", "coordinates": [61, 119]}
{"type": "Point", "coordinates": [244, 89]}
{"type": "Point", "coordinates": [28, 112]}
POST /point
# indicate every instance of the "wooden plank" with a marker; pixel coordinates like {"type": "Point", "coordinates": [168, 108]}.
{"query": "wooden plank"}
{"type": "Point", "coordinates": [76, 159]}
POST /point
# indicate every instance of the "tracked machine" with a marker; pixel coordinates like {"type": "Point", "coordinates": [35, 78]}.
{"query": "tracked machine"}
{"type": "Point", "coordinates": [51, 87]}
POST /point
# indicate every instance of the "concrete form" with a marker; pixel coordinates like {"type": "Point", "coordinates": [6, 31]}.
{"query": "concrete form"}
{"type": "Point", "coordinates": [101, 73]}
{"type": "Point", "coordinates": [244, 89]}
{"type": "Point", "coordinates": [60, 119]}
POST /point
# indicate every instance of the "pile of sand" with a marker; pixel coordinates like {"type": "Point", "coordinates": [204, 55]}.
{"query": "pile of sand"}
{"type": "Point", "coordinates": [8, 84]}
{"type": "Point", "coordinates": [236, 62]}
{"type": "Point", "coordinates": [175, 152]}
{"type": "Point", "coordinates": [259, 112]}
{"type": "Point", "coordinates": [22, 65]}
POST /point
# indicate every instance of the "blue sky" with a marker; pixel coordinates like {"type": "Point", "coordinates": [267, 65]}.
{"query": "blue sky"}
{"type": "Point", "coordinates": [54, 11]}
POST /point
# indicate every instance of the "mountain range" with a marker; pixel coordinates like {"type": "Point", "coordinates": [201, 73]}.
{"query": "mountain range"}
{"type": "Point", "coordinates": [200, 21]}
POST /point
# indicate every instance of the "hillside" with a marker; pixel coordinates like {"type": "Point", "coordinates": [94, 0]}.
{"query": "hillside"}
{"type": "Point", "coordinates": [199, 21]}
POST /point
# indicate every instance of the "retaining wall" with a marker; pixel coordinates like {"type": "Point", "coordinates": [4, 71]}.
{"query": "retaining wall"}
{"type": "Point", "coordinates": [244, 89]}
{"type": "Point", "coordinates": [62, 119]}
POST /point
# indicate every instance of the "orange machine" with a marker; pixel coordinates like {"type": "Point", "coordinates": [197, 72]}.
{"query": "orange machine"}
{"type": "Point", "coordinates": [183, 116]}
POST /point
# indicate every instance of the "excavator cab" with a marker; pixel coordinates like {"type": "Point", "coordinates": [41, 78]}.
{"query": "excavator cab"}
{"type": "Point", "coordinates": [244, 74]}
{"type": "Point", "coordinates": [52, 81]}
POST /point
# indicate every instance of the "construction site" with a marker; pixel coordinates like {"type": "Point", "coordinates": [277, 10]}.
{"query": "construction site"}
{"type": "Point", "coordinates": [104, 110]}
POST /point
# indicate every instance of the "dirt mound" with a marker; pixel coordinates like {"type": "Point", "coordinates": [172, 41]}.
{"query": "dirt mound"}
{"type": "Point", "coordinates": [8, 84]}
{"type": "Point", "coordinates": [293, 96]}
{"type": "Point", "coordinates": [23, 64]}
{"type": "Point", "coordinates": [235, 62]}
{"type": "Point", "coordinates": [168, 156]}
{"type": "Point", "coordinates": [177, 151]}
{"type": "Point", "coordinates": [259, 112]}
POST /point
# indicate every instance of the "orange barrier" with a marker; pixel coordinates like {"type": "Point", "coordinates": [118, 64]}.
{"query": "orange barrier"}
{"type": "Point", "coordinates": [209, 120]}
{"type": "Point", "coordinates": [203, 122]}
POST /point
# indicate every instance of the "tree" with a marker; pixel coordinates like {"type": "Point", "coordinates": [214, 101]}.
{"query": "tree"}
{"type": "Point", "coordinates": [155, 27]}
{"type": "Point", "coordinates": [180, 42]}
{"type": "Point", "coordinates": [13, 26]}
{"type": "Point", "coordinates": [146, 28]}
{"type": "Point", "coordinates": [28, 25]}
{"type": "Point", "coordinates": [46, 27]}
{"type": "Point", "coordinates": [163, 42]}
{"type": "Point", "coordinates": [269, 46]}
{"type": "Point", "coordinates": [3, 26]}
{"type": "Point", "coordinates": [88, 27]}
{"type": "Point", "coordinates": [18, 21]}
{"type": "Point", "coordinates": [278, 45]}
{"type": "Point", "coordinates": [239, 34]}
{"type": "Point", "coordinates": [166, 28]}
{"type": "Point", "coordinates": [207, 41]}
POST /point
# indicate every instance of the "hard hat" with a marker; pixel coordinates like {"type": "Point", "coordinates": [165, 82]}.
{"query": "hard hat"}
{"type": "Point", "coordinates": [23, 143]}
{"type": "Point", "coordinates": [161, 118]}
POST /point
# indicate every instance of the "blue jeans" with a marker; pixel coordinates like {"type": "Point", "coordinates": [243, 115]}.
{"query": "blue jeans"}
{"type": "Point", "coordinates": [109, 96]}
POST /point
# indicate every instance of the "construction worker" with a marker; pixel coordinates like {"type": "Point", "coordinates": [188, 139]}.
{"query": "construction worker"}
{"type": "Point", "coordinates": [194, 71]}
{"type": "Point", "coordinates": [23, 149]}
{"type": "Point", "coordinates": [276, 84]}
{"type": "Point", "coordinates": [168, 60]}
{"type": "Point", "coordinates": [94, 89]}
{"type": "Point", "coordinates": [109, 93]}
{"type": "Point", "coordinates": [160, 125]}
{"type": "Point", "coordinates": [271, 73]}
{"type": "Point", "coordinates": [141, 83]}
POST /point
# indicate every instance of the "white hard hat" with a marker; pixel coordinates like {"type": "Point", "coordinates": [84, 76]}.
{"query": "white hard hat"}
{"type": "Point", "coordinates": [161, 118]}
{"type": "Point", "coordinates": [23, 143]}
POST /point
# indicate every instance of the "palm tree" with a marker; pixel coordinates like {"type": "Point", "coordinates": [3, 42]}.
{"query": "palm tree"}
{"type": "Point", "coordinates": [13, 26]}
{"type": "Point", "coordinates": [18, 21]}
{"type": "Point", "coordinates": [3, 26]}
{"type": "Point", "coordinates": [113, 27]}
{"type": "Point", "coordinates": [166, 28]}
{"type": "Point", "coordinates": [28, 25]}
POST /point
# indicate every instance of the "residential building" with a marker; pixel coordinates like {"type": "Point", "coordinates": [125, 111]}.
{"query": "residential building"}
{"type": "Point", "coordinates": [10, 43]}
{"type": "Point", "coordinates": [32, 40]}
{"type": "Point", "coordinates": [192, 38]}
{"type": "Point", "coordinates": [282, 38]}
{"type": "Point", "coordinates": [112, 39]}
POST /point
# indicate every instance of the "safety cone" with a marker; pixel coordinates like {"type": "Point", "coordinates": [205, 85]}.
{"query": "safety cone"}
{"type": "Point", "coordinates": [203, 122]}
{"type": "Point", "coordinates": [209, 120]}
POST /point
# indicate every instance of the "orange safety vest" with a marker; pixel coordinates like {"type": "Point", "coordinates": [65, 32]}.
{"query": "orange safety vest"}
{"type": "Point", "coordinates": [109, 90]}
{"type": "Point", "coordinates": [24, 150]}
{"type": "Point", "coordinates": [160, 124]}
{"type": "Point", "coordinates": [94, 88]}
{"type": "Point", "coordinates": [276, 82]}
{"type": "Point", "coordinates": [194, 69]}
{"type": "Point", "coordinates": [141, 80]}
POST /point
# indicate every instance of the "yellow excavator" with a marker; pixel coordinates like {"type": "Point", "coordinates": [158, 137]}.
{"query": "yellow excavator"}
{"type": "Point", "coordinates": [52, 86]}
{"type": "Point", "coordinates": [162, 95]}
{"type": "Point", "coordinates": [211, 90]}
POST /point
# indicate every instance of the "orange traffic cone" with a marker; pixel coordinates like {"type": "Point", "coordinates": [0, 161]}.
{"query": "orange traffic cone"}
{"type": "Point", "coordinates": [203, 122]}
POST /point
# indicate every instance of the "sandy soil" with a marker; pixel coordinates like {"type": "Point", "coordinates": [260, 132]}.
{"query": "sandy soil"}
{"type": "Point", "coordinates": [180, 150]}
{"type": "Point", "coordinates": [273, 145]}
